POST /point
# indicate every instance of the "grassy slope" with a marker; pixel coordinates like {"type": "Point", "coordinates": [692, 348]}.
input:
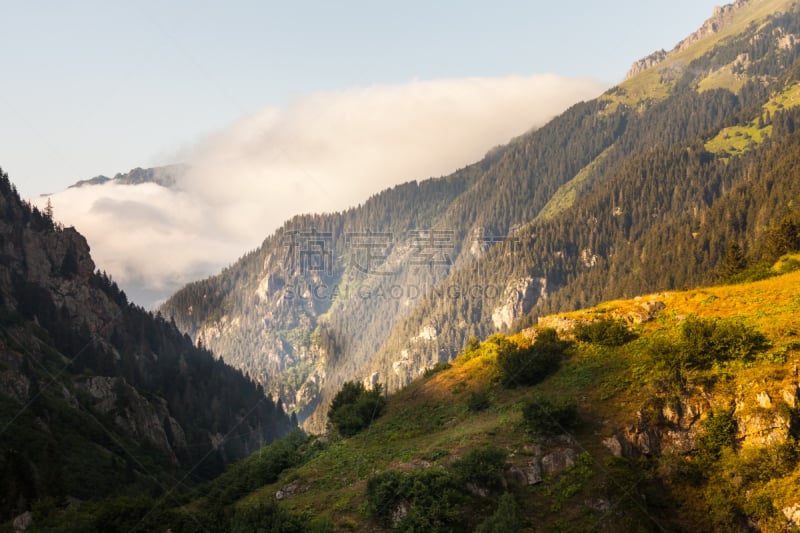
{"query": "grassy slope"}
{"type": "Point", "coordinates": [738, 139]}
{"type": "Point", "coordinates": [429, 423]}
{"type": "Point", "coordinates": [566, 194]}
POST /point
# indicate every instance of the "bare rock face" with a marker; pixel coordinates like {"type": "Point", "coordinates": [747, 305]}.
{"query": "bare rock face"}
{"type": "Point", "coordinates": [15, 385]}
{"type": "Point", "coordinates": [646, 62]}
{"type": "Point", "coordinates": [722, 16]}
{"type": "Point", "coordinates": [22, 522]}
{"type": "Point", "coordinates": [758, 423]}
{"type": "Point", "coordinates": [645, 311]}
{"type": "Point", "coordinates": [133, 413]}
{"type": "Point", "coordinates": [559, 460]}
{"type": "Point", "coordinates": [676, 433]}
{"type": "Point", "coordinates": [558, 323]}
{"type": "Point", "coordinates": [518, 298]}
{"type": "Point", "coordinates": [291, 489]}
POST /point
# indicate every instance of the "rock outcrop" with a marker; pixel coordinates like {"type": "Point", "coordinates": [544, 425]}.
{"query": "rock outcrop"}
{"type": "Point", "coordinates": [646, 62]}
{"type": "Point", "coordinates": [722, 16]}
{"type": "Point", "coordinates": [519, 297]}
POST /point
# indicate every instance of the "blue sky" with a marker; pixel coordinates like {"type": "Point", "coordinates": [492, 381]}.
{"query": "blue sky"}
{"type": "Point", "coordinates": [98, 87]}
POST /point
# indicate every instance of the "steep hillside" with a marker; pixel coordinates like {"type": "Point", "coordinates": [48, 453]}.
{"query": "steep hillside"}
{"type": "Point", "coordinates": [630, 193]}
{"type": "Point", "coordinates": [97, 397]}
{"type": "Point", "coordinates": [675, 411]}
{"type": "Point", "coordinates": [642, 446]}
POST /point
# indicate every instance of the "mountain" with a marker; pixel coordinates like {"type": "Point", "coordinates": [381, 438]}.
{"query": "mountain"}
{"type": "Point", "coordinates": [166, 176]}
{"type": "Point", "coordinates": [99, 398]}
{"type": "Point", "coordinates": [645, 188]}
{"type": "Point", "coordinates": [674, 411]}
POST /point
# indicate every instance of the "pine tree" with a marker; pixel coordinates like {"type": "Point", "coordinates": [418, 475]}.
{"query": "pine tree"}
{"type": "Point", "coordinates": [733, 262]}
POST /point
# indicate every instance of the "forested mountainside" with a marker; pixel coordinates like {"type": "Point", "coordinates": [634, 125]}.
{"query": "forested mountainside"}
{"type": "Point", "coordinates": [675, 411]}
{"type": "Point", "coordinates": [99, 398]}
{"type": "Point", "coordinates": [645, 188]}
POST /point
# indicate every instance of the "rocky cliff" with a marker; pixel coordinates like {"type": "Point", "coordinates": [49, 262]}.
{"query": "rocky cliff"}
{"type": "Point", "coordinates": [96, 394]}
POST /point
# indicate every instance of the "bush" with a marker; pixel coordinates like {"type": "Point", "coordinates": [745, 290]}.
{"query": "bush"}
{"type": "Point", "coordinates": [435, 369]}
{"type": "Point", "coordinates": [507, 517]}
{"type": "Point", "coordinates": [670, 362]}
{"type": "Point", "coordinates": [528, 366]}
{"type": "Point", "coordinates": [432, 500]}
{"type": "Point", "coordinates": [755, 272]}
{"type": "Point", "coordinates": [482, 467]}
{"type": "Point", "coordinates": [707, 341]}
{"type": "Point", "coordinates": [478, 401]}
{"type": "Point", "coordinates": [719, 433]}
{"type": "Point", "coordinates": [354, 408]}
{"type": "Point", "coordinates": [544, 417]}
{"type": "Point", "coordinates": [607, 332]}
{"type": "Point", "coordinates": [267, 518]}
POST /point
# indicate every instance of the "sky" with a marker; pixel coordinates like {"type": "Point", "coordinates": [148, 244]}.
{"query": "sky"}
{"type": "Point", "coordinates": [284, 106]}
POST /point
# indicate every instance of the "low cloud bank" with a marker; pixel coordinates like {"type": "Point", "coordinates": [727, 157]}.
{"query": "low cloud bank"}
{"type": "Point", "coordinates": [322, 153]}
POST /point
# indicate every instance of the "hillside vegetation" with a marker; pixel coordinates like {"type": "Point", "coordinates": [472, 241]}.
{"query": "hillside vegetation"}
{"type": "Point", "coordinates": [675, 411]}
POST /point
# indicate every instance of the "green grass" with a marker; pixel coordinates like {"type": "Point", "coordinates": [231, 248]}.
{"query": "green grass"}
{"type": "Point", "coordinates": [565, 196]}
{"type": "Point", "coordinates": [739, 139]}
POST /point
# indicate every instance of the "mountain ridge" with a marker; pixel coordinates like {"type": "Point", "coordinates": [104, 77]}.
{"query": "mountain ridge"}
{"type": "Point", "coordinates": [99, 398]}
{"type": "Point", "coordinates": [488, 239]}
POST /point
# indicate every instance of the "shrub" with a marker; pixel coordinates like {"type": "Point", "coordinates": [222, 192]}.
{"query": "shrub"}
{"type": "Point", "coordinates": [354, 408]}
{"type": "Point", "coordinates": [432, 500]}
{"type": "Point", "coordinates": [435, 369]}
{"type": "Point", "coordinates": [755, 272]}
{"type": "Point", "coordinates": [507, 517]}
{"type": "Point", "coordinates": [267, 517]}
{"type": "Point", "coordinates": [706, 341]}
{"type": "Point", "coordinates": [670, 363]}
{"type": "Point", "coordinates": [482, 467]}
{"type": "Point", "coordinates": [478, 401]}
{"type": "Point", "coordinates": [528, 366]}
{"type": "Point", "coordinates": [544, 417]}
{"type": "Point", "coordinates": [607, 332]}
{"type": "Point", "coordinates": [719, 433]}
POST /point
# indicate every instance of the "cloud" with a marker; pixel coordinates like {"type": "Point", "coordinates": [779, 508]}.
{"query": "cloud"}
{"type": "Point", "coordinates": [321, 153]}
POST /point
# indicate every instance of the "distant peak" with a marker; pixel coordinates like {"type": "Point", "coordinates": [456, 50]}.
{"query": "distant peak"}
{"type": "Point", "coordinates": [722, 16]}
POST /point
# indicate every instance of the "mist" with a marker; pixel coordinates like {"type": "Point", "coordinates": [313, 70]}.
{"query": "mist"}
{"type": "Point", "coordinates": [320, 153]}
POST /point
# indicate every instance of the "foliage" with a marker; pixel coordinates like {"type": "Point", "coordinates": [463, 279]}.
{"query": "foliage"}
{"type": "Point", "coordinates": [354, 407]}
{"type": "Point", "coordinates": [545, 417]}
{"type": "Point", "coordinates": [478, 401]}
{"type": "Point", "coordinates": [528, 366]}
{"type": "Point", "coordinates": [733, 262]}
{"type": "Point", "coordinates": [435, 369]}
{"type": "Point", "coordinates": [606, 332]}
{"type": "Point", "coordinates": [754, 272]}
{"type": "Point", "coordinates": [422, 500]}
{"type": "Point", "coordinates": [259, 469]}
{"type": "Point", "coordinates": [708, 341]}
{"type": "Point", "coordinates": [507, 517]}
{"type": "Point", "coordinates": [719, 432]}
{"type": "Point", "coordinates": [482, 467]}
{"type": "Point", "coordinates": [267, 517]}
